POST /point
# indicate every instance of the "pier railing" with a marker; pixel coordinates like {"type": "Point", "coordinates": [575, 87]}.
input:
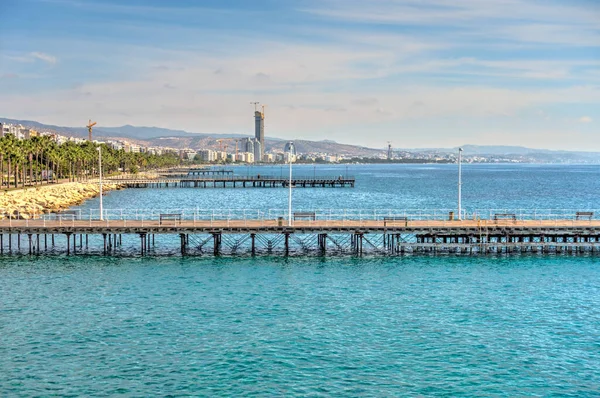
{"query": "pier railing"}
{"type": "Point", "coordinates": [230, 178]}
{"type": "Point", "coordinates": [355, 217]}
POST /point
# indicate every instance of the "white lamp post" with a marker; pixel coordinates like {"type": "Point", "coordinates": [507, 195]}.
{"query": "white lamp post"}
{"type": "Point", "coordinates": [100, 178]}
{"type": "Point", "coordinates": [459, 183]}
{"type": "Point", "coordinates": [290, 148]}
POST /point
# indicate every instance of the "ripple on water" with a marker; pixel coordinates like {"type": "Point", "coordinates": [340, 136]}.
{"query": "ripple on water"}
{"type": "Point", "coordinates": [515, 326]}
{"type": "Point", "coordinates": [428, 326]}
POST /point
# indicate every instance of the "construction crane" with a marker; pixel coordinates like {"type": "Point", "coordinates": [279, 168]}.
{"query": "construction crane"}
{"type": "Point", "coordinates": [255, 105]}
{"type": "Point", "coordinates": [89, 127]}
{"type": "Point", "coordinates": [221, 140]}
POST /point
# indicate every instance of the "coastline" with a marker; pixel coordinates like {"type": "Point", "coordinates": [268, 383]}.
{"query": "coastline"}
{"type": "Point", "coordinates": [32, 202]}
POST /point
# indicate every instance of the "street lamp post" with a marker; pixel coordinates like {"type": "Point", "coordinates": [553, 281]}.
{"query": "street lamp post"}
{"type": "Point", "coordinates": [460, 183]}
{"type": "Point", "coordinates": [100, 178]}
{"type": "Point", "coordinates": [290, 148]}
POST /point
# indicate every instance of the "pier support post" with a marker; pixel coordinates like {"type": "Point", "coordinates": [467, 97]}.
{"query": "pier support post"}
{"type": "Point", "coordinates": [322, 244]}
{"type": "Point", "coordinates": [30, 252]}
{"type": "Point", "coordinates": [104, 237]}
{"type": "Point", "coordinates": [360, 244]}
{"type": "Point", "coordinates": [216, 244]}
{"type": "Point", "coordinates": [68, 235]}
{"type": "Point", "coordinates": [142, 243]}
{"type": "Point", "coordinates": [1, 243]}
{"type": "Point", "coordinates": [287, 244]}
{"type": "Point", "coordinates": [253, 242]}
{"type": "Point", "coordinates": [183, 244]}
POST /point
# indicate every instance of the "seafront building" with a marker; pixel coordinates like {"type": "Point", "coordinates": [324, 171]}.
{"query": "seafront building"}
{"type": "Point", "coordinates": [19, 131]}
{"type": "Point", "coordinates": [208, 155]}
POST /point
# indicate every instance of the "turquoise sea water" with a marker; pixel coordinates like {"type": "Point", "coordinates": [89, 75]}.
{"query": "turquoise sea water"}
{"type": "Point", "coordinates": [416, 326]}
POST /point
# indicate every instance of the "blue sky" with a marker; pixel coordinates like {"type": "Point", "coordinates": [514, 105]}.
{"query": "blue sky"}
{"type": "Point", "coordinates": [419, 73]}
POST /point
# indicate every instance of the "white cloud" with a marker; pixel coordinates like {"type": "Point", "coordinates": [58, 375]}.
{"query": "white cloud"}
{"type": "Point", "coordinates": [423, 84]}
{"type": "Point", "coordinates": [43, 57]}
{"type": "Point", "coordinates": [518, 21]}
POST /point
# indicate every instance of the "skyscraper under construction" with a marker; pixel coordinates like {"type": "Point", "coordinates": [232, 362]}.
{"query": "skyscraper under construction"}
{"type": "Point", "coordinates": [259, 131]}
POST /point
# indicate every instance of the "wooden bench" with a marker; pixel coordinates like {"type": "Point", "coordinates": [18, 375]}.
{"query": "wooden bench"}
{"type": "Point", "coordinates": [68, 215]}
{"type": "Point", "coordinates": [307, 215]}
{"type": "Point", "coordinates": [587, 214]}
{"type": "Point", "coordinates": [505, 216]}
{"type": "Point", "coordinates": [169, 217]}
{"type": "Point", "coordinates": [395, 219]}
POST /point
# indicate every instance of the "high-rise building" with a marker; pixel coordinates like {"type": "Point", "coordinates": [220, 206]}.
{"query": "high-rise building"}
{"type": "Point", "coordinates": [259, 131]}
{"type": "Point", "coordinates": [247, 145]}
{"type": "Point", "coordinates": [258, 152]}
{"type": "Point", "coordinates": [253, 146]}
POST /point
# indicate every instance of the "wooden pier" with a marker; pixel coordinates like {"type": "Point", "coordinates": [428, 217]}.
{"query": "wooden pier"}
{"type": "Point", "coordinates": [196, 172]}
{"type": "Point", "coordinates": [303, 237]}
{"type": "Point", "coordinates": [208, 171]}
{"type": "Point", "coordinates": [234, 182]}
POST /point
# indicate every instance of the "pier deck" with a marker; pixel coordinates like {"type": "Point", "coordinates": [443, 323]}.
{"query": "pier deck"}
{"type": "Point", "coordinates": [234, 182]}
{"type": "Point", "coordinates": [274, 236]}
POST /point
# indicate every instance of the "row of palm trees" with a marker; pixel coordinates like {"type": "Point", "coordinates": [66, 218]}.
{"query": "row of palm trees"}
{"type": "Point", "coordinates": [39, 159]}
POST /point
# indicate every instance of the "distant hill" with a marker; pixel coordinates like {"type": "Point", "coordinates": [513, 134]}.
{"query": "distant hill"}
{"type": "Point", "coordinates": [127, 131]}
{"type": "Point", "coordinates": [156, 136]}
{"type": "Point", "coordinates": [74, 131]}
{"type": "Point", "coordinates": [148, 133]}
{"type": "Point", "coordinates": [495, 150]}
{"type": "Point", "coordinates": [500, 150]}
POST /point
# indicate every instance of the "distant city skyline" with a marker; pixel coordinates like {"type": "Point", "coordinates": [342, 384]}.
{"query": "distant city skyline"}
{"type": "Point", "coordinates": [427, 73]}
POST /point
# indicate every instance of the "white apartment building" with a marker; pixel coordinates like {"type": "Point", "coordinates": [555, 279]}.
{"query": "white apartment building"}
{"type": "Point", "coordinates": [208, 155]}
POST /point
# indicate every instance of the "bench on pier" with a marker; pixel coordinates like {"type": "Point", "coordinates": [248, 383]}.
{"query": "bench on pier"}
{"type": "Point", "coordinates": [169, 217]}
{"type": "Point", "coordinates": [68, 214]}
{"type": "Point", "coordinates": [395, 219]}
{"type": "Point", "coordinates": [587, 214]}
{"type": "Point", "coordinates": [505, 216]}
{"type": "Point", "coordinates": [307, 215]}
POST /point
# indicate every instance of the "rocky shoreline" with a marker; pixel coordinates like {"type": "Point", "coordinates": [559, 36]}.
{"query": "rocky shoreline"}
{"type": "Point", "coordinates": [31, 203]}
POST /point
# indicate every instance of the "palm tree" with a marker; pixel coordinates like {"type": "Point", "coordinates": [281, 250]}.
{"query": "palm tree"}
{"type": "Point", "coordinates": [36, 148]}
{"type": "Point", "coordinates": [2, 152]}
{"type": "Point", "coordinates": [78, 161]}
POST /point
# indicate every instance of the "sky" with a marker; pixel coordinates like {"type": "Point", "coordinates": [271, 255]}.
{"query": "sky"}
{"type": "Point", "coordinates": [418, 73]}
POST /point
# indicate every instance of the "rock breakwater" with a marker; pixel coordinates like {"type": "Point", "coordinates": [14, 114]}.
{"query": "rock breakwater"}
{"type": "Point", "coordinates": [33, 202]}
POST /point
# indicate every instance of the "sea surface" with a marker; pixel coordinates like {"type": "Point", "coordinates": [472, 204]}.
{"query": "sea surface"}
{"type": "Point", "coordinates": [525, 325]}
